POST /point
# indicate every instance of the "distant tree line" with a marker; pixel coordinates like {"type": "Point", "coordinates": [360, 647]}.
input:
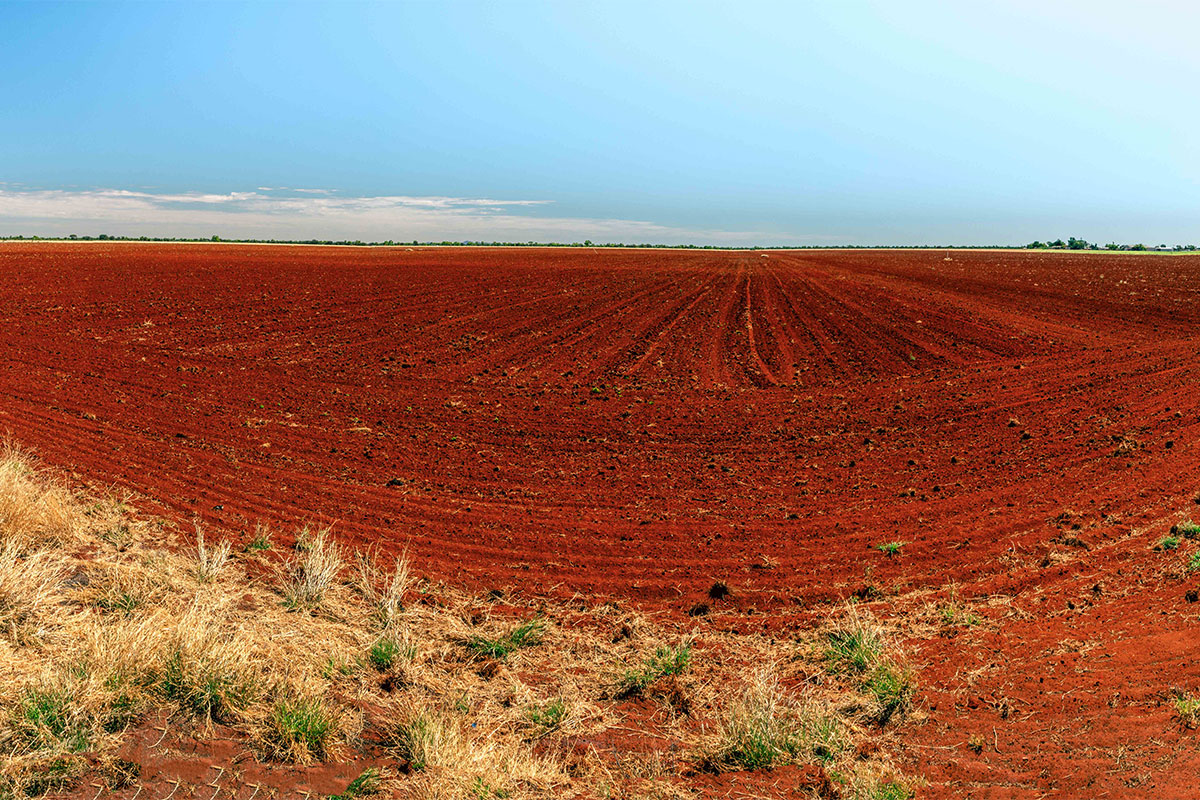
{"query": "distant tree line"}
{"type": "Point", "coordinates": [1081, 244]}
{"type": "Point", "coordinates": [1058, 244]}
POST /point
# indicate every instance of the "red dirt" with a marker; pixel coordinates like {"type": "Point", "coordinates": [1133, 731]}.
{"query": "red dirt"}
{"type": "Point", "coordinates": [640, 423]}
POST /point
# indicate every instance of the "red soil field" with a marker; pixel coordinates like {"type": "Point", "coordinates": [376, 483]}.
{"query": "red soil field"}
{"type": "Point", "coordinates": [641, 423]}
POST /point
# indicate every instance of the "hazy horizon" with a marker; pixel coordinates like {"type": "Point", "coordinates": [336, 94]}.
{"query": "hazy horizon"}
{"type": "Point", "coordinates": [772, 124]}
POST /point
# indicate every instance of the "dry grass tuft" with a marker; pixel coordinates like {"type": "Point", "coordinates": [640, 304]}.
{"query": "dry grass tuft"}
{"type": "Point", "coordinates": [385, 593]}
{"type": "Point", "coordinates": [210, 560]}
{"type": "Point", "coordinates": [765, 726]}
{"type": "Point", "coordinates": [860, 649]}
{"type": "Point", "coordinates": [313, 570]}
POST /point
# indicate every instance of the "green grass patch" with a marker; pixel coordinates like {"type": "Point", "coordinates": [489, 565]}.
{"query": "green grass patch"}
{"type": "Point", "coordinates": [527, 634]}
{"type": "Point", "coordinates": [855, 649]}
{"type": "Point", "coordinates": [892, 688]}
{"type": "Point", "coordinates": [368, 783]}
{"type": "Point", "coordinates": [1188, 709]}
{"type": "Point", "coordinates": [261, 542]}
{"type": "Point", "coordinates": [549, 716]}
{"type": "Point", "coordinates": [762, 728]}
{"type": "Point", "coordinates": [203, 688]}
{"type": "Point", "coordinates": [665, 661]}
{"type": "Point", "coordinates": [299, 728]}
{"type": "Point", "coordinates": [890, 549]}
{"type": "Point", "coordinates": [954, 615]}
{"type": "Point", "coordinates": [48, 719]}
{"type": "Point", "coordinates": [383, 654]}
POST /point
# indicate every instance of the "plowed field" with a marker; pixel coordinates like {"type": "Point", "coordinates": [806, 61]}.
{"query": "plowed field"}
{"type": "Point", "coordinates": [640, 424]}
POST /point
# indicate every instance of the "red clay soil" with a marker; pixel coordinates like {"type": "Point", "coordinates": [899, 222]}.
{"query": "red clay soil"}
{"type": "Point", "coordinates": [640, 423]}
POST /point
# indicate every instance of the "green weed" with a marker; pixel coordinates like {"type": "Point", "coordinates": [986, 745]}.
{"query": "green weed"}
{"type": "Point", "coordinates": [366, 784]}
{"type": "Point", "coordinates": [665, 661]}
{"type": "Point", "coordinates": [525, 635]}
{"type": "Point", "coordinates": [299, 728]}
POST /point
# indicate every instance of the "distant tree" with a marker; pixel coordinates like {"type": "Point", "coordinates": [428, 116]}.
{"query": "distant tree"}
{"type": "Point", "coordinates": [1077, 244]}
{"type": "Point", "coordinates": [1035, 246]}
{"type": "Point", "coordinates": [1112, 246]}
{"type": "Point", "coordinates": [1138, 246]}
{"type": "Point", "coordinates": [216, 238]}
{"type": "Point", "coordinates": [1057, 243]}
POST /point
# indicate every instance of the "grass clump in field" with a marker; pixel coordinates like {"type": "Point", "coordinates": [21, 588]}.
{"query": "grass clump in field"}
{"type": "Point", "coordinates": [387, 651]}
{"type": "Point", "coordinates": [954, 613]}
{"type": "Point", "coordinates": [666, 661]}
{"type": "Point", "coordinates": [210, 560]}
{"type": "Point", "coordinates": [1187, 708]}
{"type": "Point", "coordinates": [263, 540]}
{"type": "Point", "coordinates": [859, 649]}
{"type": "Point", "coordinates": [428, 738]}
{"type": "Point", "coordinates": [890, 549]}
{"type": "Point", "coordinates": [527, 634]}
{"type": "Point", "coordinates": [300, 730]}
{"type": "Point", "coordinates": [368, 783]}
{"type": "Point", "coordinates": [311, 572]}
{"type": "Point", "coordinates": [1167, 544]}
{"type": "Point", "coordinates": [549, 716]}
{"type": "Point", "coordinates": [1186, 529]}
{"type": "Point", "coordinates": [764, 727]}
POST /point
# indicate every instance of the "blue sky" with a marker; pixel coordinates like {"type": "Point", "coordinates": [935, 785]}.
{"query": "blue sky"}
{"type": "Point", "coordinates": [728, 123]}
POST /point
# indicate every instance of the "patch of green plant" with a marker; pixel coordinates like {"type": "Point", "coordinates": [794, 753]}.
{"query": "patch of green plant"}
{"type": "Point", "coordinates": [527, 634]}
{"type": "Point", "coordinates": [123, 602]}
{"type": "Point", "coordinates": [383, 654]}
{"type": "Point", "coordinates": [856, 649]}
{"type": "Point", "coordinates": [123, 705]}
{"type": "Point", "coordinates": [890, 549]}
{"type": "Point", "coordinates": [1167, 543]}
{"type": "Point", "coordinates": [953, 614]}
{"type": "Point", "coordinates": [665, 661]}
{"type": "Point", "coordinates": [122, 710]}
{"type": "Point", "coordinates": [203, 688]}
{"type": "Point", "coordinates": [761, 730]}
{"type": "Point", "coordinates": [1193, 562]}
{"type": "Point", "coordinates": [46, 719]}
{"type": "Point", "coordinates": [481, 791]}
{"type": "Point", "coordinates": [549, 716]}
{"type": "Point", "coordinates": [260, 542]}
{"type": "Point", "coordinates": [419, 740]}
{"type": "Point", "coordinates": [1187, 529]}
{"type": "Point", "coordinates": [885, 790]}
{"type": "Point", "coordinates": [1188, 709]}
{"type": "Point", "coordinates": [301, 723]}
{"type": "Point", "coordinates": [334, 666]}
{"type": "Point", "coordinates": [892, 688]}
{"type": "Point", "coordinates": [366, 784]}
{"type": "Point", "coordinates": [120, 536]}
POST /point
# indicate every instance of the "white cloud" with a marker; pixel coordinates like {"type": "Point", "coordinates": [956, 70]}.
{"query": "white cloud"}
{"type": "Point", "coordinates": [279, 213]}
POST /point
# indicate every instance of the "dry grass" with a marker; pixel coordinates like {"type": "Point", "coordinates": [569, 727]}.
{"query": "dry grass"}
{"type": "Point", "coordinates": [107, 620]}
{"type": "Point", "coordinates": [209, 560]}
{"type": "Point", "coordinates": [312, 571]}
